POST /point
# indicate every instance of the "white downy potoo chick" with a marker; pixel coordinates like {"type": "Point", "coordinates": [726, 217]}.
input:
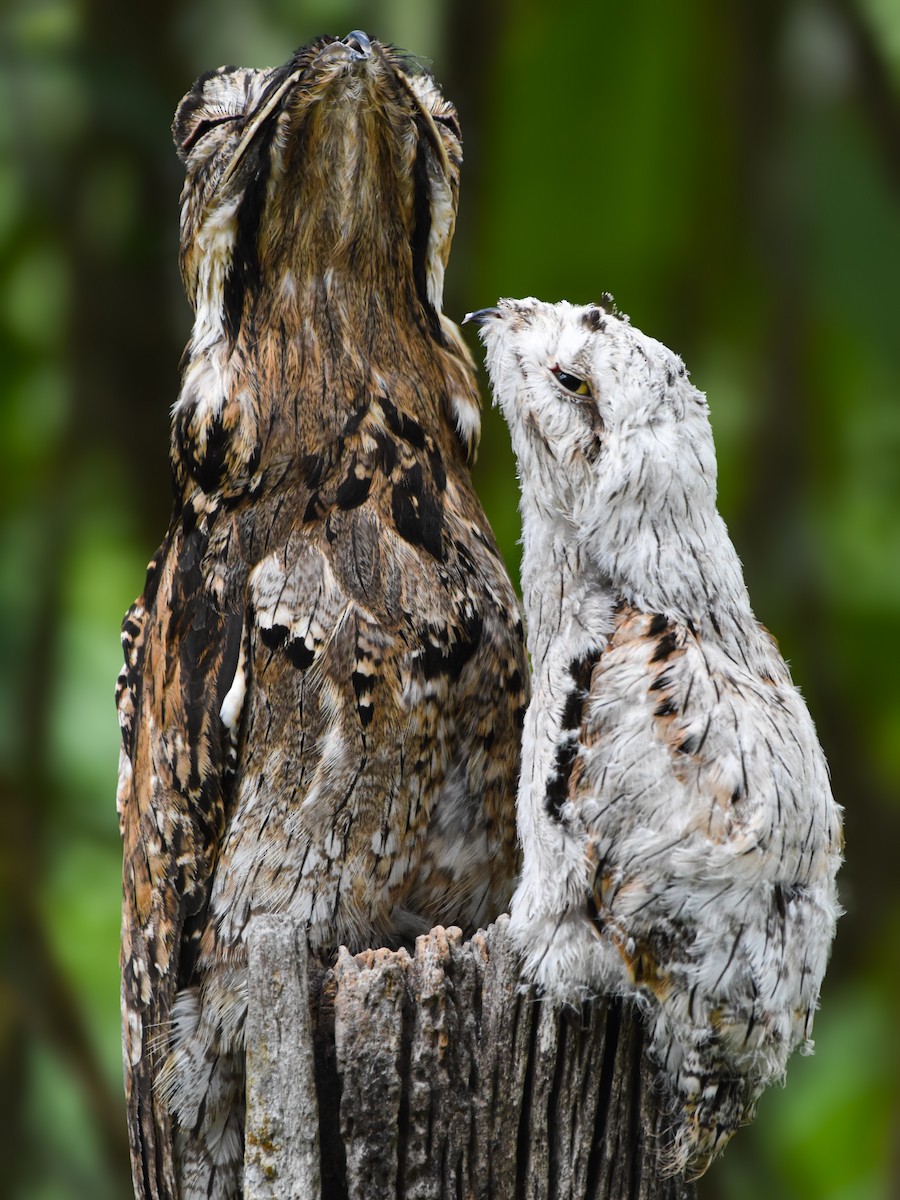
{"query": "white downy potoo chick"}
{"type": "Point", "coordinates": [680, 837]}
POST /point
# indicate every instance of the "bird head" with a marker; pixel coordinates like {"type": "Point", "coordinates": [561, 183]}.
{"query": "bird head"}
{"type": "Point", "coordinates": [610, 435]}
{"type": "Point", "coordinates": [343, 162]}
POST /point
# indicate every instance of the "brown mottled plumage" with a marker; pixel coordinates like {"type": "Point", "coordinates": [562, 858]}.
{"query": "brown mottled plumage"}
{"type": "Point", "coordinates": [324, 678]}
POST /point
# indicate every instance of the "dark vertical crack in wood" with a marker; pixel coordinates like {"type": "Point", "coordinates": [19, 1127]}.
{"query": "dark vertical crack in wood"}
{"type": "Point", "coordinates": [639, 1136]}
{"type": "Point", "coordinates": [403, 1112]}
{"type": "Point", "coordinates": [439, 1076]}
{"type": "Point", "coordinates": [328, 1083]}
{"type": "Point", "coordinates": [523, 1137]}
{"type": "Point", "coordinates": [597, 1159]}
{"type": "Point", "coordinates": [554, 1125]}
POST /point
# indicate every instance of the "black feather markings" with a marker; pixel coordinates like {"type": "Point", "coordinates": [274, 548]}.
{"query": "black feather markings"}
{"type": "Point", "coordinates": [273, 636]}
{"type": "Point", "coordinates": [422, 228]}
{"type": "Point", "coordinates": [209, 645]}
{"type": "Point", "coordinates": [441, 657]}
{"type": "Point", "coordinates": [593, 320]}
{"type": "Point", "coordinates": [243, 276]}
{"type": "Point", "coordinates": [312, 469]}
{"type": "Point", "coordinates": [688, 744]}
{"type": "Point", "coordinates": [387, 451]}
{"type": "Point", "coordinates": [209, 469]}
{"type": "Point", "coordinates": [362, 687]}
{"type": "Point", "coordinates": [203, 447]}
{"type": "Point", "coordinates": [402, 425]}
{"type": "Point", "coordinates": [593, 913]}
{"type": "Point", "coordinates": [299, 654]}
{"type": "Point", "coordinates": [558, 784]}
{"type": "Point", "coordinates": [418, 514]}
{"type": "Point", "coordinates": [354, 488]}
{"type": "Point", "coordinates": [417, 505]}
{"type": "Point", "coordinates": [666, 647]}
{"type": "Point", "coordinates": [658, 625]}
{"type": "Point", "coordinates": [784, 894]}
{"type": "Point", "coordinates": [557, 793]}
{"type": "Point", "coordinates": [209, 641]}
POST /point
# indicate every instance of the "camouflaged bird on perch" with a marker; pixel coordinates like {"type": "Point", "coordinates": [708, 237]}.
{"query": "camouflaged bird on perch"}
{"type": "Point", "coordinates": [680, 837]}
{"type": "Point", "coordinates": [325, 677]}
{"type": "Point", "coordinates": [322, 700]}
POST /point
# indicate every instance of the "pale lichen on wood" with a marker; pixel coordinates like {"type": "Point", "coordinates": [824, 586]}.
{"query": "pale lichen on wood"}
{"type": "Point", "coordinates": [281, 1132]}
{"type": "Point", "coordinates": [437, 1074]}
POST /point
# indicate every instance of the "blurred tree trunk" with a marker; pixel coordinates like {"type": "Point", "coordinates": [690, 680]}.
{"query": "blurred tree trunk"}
{"type": "Point", "coordinates": [437, 1075]}
{"type": "Point", "coordinates": [130, 320]}
{"type": "Point", "coordinates": [102, 184]}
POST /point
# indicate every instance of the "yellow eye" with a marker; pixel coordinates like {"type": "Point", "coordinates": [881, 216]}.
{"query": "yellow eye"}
{"type": "Point", "coordinates": [578, 387]}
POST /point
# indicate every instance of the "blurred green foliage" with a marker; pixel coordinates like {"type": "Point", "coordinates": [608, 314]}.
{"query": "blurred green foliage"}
{"type": "Point", "coordinates": [731, 172]}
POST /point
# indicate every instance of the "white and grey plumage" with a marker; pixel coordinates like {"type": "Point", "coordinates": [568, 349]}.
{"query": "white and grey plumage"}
{"type": "Point", "coordinates": [679, 832]}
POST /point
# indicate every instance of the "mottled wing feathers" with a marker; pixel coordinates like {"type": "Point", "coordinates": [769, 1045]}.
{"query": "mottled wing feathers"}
{"type": "Point", "coordinates": [692, 780]}
{"type": "Point", "coordinates": [371, 624]}
{"type": "Point", "coordinates": [181, 654]}
{"type": "Point", "coordinates": [340, 624]}
{"type": "Point", "coordinates": [725, 745]}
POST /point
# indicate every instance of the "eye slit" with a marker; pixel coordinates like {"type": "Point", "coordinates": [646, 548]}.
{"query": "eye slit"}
{"type": "Point", "coordinates": [572, 383]}
{"type": "Point", "coordinates": [202, 128]}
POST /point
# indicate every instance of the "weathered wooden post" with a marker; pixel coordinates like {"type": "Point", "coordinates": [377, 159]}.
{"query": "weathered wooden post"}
{"type": "Point", "coordinates": [436, 1075]}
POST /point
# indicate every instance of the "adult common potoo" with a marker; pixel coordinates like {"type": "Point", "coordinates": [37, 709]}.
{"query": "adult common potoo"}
{"type": "Point", "coordinates": [679, 833]}
{"type": "Point", "coordinates": [324, 678]}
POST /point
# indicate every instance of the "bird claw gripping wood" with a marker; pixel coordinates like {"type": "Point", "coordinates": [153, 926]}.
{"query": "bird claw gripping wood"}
{"type": "Point", "coordinates": [325, 677]}
{"type": "Point", "coordinates": [680, 837]}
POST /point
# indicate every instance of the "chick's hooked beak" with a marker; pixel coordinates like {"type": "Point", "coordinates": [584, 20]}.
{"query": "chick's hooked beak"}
{"type": "Point", "coordinates": [481, 316]}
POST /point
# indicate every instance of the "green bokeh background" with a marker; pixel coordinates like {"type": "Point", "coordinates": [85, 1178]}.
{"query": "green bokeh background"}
{"type": "Point", "coordinates": [731, 171]}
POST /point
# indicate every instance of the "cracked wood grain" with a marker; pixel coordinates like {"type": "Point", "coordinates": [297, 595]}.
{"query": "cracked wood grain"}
{"type": "Point", "coordinates": [281, 1133]}
{"type": "Point", "coordinates": [437, 1076]}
